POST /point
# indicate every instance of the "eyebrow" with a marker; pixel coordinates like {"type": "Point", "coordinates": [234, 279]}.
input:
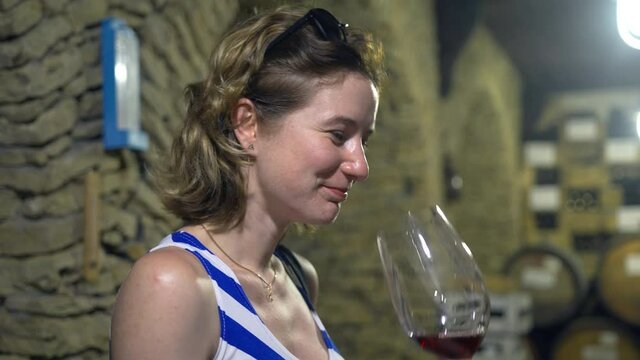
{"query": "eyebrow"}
{"type": "Point", "coordinates": [351, 122]}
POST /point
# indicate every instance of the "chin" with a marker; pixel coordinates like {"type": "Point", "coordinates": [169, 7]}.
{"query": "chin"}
{"type": "Point", "coordinates": [321, 221]}
{"type": "Point", "coordinates": [324, 219]}
{"type": "Point", "coordinates": [316, 212]}
{"type": "Point", "coordinates": [333, 218]}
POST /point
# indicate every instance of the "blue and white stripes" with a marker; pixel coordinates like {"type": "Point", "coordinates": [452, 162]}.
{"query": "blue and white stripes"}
{"type": "Point", "coordinates": [243, 334]}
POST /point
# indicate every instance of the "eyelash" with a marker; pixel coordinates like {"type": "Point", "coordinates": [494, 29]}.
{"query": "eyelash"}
{"type": "Point", "coordinates": [339, 137]}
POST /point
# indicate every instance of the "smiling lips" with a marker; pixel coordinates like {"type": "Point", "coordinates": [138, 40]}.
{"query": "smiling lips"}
{"type": "Point", "coordinates": [337, 194]}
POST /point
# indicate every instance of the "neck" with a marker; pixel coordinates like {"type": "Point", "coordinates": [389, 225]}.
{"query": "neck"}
{"type": "Point", "coordinates": [251, 243]}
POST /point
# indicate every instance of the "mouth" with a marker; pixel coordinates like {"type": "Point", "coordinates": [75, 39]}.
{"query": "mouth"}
{"type": "Point", "coordinates": [337, 194]}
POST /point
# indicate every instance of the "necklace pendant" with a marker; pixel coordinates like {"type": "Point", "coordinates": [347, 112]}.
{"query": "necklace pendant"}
{"type": "Point", "coordinates": [267, 286]}
{"type": "Point", "coordinates": [269, 293]}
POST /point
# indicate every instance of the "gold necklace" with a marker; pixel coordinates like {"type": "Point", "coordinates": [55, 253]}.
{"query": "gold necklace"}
{"type": "Point", "coordinates": [267, 285]}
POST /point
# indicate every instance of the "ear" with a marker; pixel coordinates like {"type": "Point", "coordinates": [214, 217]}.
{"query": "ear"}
{"type": "Point", "coordinates": [245, 122]}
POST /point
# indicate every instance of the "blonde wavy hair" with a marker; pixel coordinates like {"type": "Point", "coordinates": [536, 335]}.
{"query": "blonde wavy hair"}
{"type": "Point", "coordinates": [202, 179]}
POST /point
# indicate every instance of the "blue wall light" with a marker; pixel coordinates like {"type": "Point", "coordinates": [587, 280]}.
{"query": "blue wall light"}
{"type": "Point", "coordinates": [121, 87]}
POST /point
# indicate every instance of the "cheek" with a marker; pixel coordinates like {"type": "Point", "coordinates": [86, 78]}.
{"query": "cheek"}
{"type": "Point", "coordinates": [324, 159]}
{"type": "Point", "coordinates": [307, 153]}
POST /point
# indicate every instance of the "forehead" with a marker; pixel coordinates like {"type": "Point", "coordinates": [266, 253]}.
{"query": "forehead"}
{"type": "Point", "coordinates": [350, 96]}
{"type": "Point", "coordinates": [347, 100]}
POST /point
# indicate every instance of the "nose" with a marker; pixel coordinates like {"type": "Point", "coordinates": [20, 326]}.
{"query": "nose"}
{"type": "Point", "coordinates": [355, 166]}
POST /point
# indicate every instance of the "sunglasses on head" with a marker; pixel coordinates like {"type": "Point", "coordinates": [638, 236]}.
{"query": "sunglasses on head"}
{"type": "Point", "coordinates": [328, 27]}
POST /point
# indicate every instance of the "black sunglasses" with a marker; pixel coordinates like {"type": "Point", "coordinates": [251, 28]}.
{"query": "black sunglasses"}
{"type": "Point", "coordinates": [325, 23]}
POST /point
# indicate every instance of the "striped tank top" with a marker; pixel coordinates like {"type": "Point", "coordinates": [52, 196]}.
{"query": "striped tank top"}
{"type": "Point", "coordinates": [243, 335]}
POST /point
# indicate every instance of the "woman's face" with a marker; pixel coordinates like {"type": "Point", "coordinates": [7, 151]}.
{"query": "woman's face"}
{"type": "Point", "coordinates": [305, 167]}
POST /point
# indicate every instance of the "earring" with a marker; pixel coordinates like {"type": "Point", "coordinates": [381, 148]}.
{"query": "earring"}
{"type": "Point", "coordinates": [250, 147]}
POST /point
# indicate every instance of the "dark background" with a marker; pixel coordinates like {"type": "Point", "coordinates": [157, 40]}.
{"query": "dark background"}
{"type": "Point", "coordinates": [557, 45]}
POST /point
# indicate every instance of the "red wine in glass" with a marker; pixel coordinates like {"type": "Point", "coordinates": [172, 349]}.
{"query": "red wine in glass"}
{"type": "Point", "coordinates": [450, 346]}
{"type": "Point", "coordinates": [436, 287]}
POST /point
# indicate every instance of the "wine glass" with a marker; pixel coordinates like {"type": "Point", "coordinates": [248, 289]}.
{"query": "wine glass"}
{"type": "Point", "coordinates": [436, 286]}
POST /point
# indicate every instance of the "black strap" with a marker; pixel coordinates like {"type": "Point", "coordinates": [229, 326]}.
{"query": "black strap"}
{"type": "Point", "coordinates": [294, 269]}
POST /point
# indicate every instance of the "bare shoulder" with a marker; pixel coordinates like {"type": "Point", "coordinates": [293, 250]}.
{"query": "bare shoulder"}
{"type": "Point", "coordinates": [169, 260]}
{"type": "Point", "coordinates": [311, 275]}
{"type": "Point", "coordinates": [170, 270]}
{"type": "Point", "coordinates": [165, 309]}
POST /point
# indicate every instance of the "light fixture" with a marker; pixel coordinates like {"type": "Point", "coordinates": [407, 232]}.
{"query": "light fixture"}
{"type": "Point", "coordinates": [121, 87]}
{"type": "Point", "coordinates": [637, 117]}
{"type": "Point", "coordinates": [628, 19]}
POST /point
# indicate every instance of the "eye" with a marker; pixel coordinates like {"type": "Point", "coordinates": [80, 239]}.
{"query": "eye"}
{"type": "Point", "coordinates": [365, 139]}
{"type": "Point", "coordinates": [338, 136]}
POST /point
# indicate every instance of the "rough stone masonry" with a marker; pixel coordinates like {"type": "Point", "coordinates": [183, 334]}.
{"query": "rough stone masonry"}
{"type": "Point", "coordinates": [50, 138]}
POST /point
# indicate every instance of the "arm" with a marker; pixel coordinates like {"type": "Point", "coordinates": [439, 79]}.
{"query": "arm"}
{"type": "Point", "coordinates": [166, 309]}
{"type": "Point", "coordinates": [311, 276]}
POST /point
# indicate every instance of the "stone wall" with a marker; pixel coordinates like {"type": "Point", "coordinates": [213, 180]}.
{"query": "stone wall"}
{"type": "Point", "coordinates": [50, 138]}
{"type": "Point", "coordinates": [480, 132]}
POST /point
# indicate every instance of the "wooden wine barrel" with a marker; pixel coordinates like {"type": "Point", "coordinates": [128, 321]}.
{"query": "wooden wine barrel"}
{"type": "Point", "coordinates": [618, 281]}
{"type": "Point", "coordinates": [595, 339]}
{"type": "Point", "coordinates": [553, 278]}
{"type": "Point", "coordinates": [505, 347]}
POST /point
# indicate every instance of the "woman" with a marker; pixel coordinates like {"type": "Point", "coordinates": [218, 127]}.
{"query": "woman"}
{"type": "Point", "coordinates": [274, 136]}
